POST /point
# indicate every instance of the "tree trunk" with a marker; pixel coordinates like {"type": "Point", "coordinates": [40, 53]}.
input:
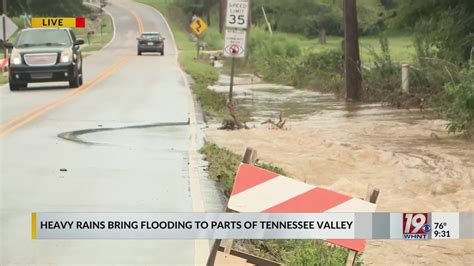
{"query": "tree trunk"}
{"type": "Point", "coordinates": [322, 36]}
{"type": "Point", "coordinates": [352, 56]}
{"type": "Point", "coordinates": [222, 14]}
{"type": "Point", "coordinates": [209, 17]}
{"type": "Point", "coordinates": [208, 11]}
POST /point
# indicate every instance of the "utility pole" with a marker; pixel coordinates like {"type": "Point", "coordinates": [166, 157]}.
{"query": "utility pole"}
{"type": "Point", "coordinates": [4, 27]}
{"type": "Point", "coordinates": [351, 51]}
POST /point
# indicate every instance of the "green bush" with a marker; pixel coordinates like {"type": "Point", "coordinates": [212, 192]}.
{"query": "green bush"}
{"type": "Point", "coordinates": [223, 165]}
{"type": "Point", "coordinates": [213, 39]}
{"type": "Point", "coordinates": [382, 80]}
{"type": "Point", "coordinates": [282, 60]}
{"type": "Point", "coordinates": [461, 112]}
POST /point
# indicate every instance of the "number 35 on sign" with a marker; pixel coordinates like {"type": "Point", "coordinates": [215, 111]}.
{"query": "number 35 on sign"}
{"type": "Point", "coordinates": [237, 14]}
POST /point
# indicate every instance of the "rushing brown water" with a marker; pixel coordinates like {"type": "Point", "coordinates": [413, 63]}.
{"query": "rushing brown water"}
{"type": "Point", "coordinates": [407, 154]}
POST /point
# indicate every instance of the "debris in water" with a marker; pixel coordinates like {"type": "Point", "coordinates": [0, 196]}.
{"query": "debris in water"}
{"type": "Point", "coordinates": [434, 135]}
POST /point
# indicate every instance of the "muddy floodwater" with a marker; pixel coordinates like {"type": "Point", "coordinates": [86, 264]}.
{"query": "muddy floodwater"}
{"type": "Point", "coordinates": [407, 154]}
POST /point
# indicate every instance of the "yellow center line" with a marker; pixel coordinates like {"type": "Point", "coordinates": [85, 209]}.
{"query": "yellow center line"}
{"type": "Point", "coordinates": [66, 98]}
{"type": "Point", "coordinates": [32, 114]}
{"type": "Point", "coordinates": [75, 91]}
{"type": "Point", "coordinates": [141, 28]}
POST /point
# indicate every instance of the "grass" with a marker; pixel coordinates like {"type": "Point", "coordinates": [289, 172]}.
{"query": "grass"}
{"type": "Point", "coordinates": [222, 168]}
{"type": "Point", "coordinates": [401, 46]}
{"type": "Point", "coordinates": [3, 79]}
{"type": "Point", "coordinates": [96, 41]}
{"type": "Point", "coordinates": [224, 163]}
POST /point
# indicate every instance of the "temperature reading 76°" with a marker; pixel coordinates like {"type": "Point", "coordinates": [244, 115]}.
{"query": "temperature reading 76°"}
{"type": "Point", "coordinates": [440, 226]}
{"type": "Point", "coordinates": [445, 226]}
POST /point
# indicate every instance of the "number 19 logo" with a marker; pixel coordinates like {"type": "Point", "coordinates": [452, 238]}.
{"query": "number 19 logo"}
{"type": "Point", "coordinates": [416, 226]}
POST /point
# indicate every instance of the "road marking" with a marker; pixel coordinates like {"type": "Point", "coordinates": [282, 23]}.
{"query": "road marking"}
{"type": "Point", "coordinates": [38, 111]}
{"type": "Point", "coordinates": [31, 115]}
{"type": "Point", "coordinates": [201, 247]}
{"type": "Point", "coordinates": [141, 28]}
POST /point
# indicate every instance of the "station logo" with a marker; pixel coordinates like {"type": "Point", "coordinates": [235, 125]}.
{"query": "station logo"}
{"type": "Point", "coordinates": [415, 226]}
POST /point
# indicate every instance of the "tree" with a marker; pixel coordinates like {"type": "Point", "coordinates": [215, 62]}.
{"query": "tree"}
{"type": "Point", "coordinates": [447, 26]}
{"type": "Point", "coordinates": [222, 14]}
{"type": "Point", "coordinates": [59, 8]}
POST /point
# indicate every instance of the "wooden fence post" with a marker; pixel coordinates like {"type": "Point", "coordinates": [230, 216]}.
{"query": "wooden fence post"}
{"type": "Point", "coordinates": [250, 156]}
{"type": "Point", "coordinates": [371, 195]}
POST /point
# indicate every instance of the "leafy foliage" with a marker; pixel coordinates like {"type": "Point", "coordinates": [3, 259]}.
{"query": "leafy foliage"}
{"type": "Point", "coordinates": [310, 17]}
{"type": "Point", "coordinates": [51, 8]}
{"type": "Point", "coordinates": [222, 167]}
{"type": "Point", "coordinates": [382, 80]}
{"type": "Point", "coordinates": [461, 112]}
{"type": "Point", "coordinates": [448, 26]}
{"type": "Point", "coordinates": [282, 60]}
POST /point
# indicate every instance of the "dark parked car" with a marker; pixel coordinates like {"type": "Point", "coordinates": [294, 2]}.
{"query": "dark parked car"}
{"type": "Point", "coordinates": [151, 42]}
{"type": "Point", "coordinates": [44, 55]}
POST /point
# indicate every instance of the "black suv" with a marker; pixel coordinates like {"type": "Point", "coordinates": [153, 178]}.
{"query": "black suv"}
{"type": "Point", "coordinates": [150, 42]}
{"type": "Point", "coordinates": [44, 55]}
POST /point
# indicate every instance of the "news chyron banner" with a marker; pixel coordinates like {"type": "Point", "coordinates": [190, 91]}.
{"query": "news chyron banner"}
{"type": "Point", "coordinates": [58, 22]}
{"type": "Point", "coordinates": [438, 225]}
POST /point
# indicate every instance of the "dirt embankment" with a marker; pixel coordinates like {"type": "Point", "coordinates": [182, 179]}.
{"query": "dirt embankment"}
{"type": "Point", "coordinates": [416, 165]}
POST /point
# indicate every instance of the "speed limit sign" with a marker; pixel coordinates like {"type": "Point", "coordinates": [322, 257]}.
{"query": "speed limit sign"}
{"type": "Point", "coordinates": [237, 14]}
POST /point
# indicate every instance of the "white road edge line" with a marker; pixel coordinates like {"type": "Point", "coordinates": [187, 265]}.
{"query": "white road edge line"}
{"type": "Point", "coordinates": [201, 247]}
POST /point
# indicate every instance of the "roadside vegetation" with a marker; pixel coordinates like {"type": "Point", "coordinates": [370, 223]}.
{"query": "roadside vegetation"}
{"type": "Point", "coordinates": [92, 35]}
{"type": "Point", "coordinates": [223, 165]}
{"type": "Point", "coordinates": [305, 50]}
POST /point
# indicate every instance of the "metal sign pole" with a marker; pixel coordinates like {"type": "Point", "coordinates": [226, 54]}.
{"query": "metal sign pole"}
{"type": "Point", "coordinates": [232, 69]}
{"type": "Point", "coordinates": [197, 47]}
{"type": "Point", "coordinates": [4, 27]}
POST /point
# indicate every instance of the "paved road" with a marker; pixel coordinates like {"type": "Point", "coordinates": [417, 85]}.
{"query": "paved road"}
{"type": "Point", "coordinates": [123, 170]}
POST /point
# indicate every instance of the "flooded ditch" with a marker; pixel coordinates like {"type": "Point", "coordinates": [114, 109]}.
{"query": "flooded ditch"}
{"type": "Point", "coordinates": [407, 154]}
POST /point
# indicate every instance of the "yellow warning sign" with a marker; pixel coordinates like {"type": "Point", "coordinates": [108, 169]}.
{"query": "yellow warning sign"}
{"type": "Point", "coordinates": [199, 26]}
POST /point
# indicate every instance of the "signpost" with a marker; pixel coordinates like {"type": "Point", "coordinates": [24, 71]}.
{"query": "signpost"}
{"type": "Point", "coordinates": [237, 18]}
{"type": "Point", "coordinates": [237, 14]}
{"type": "Point", "coordinates": [234, 45]}
{"type": "Point", "coordinates": [8, 27]}
{"type": "Point", "coordinates": [199, 26]}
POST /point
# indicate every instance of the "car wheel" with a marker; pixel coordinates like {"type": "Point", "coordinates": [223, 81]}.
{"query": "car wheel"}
{"type": "Point", "coordinates": [77, 82]}
{"type": "Point", "coordinates": [81, 78]}
{"type": "Point", "coordinates": [17, 86]}
{"type": "Point", "coordinates": [139, 52]}
{"type": "Point", "coordinates": [162, 53]}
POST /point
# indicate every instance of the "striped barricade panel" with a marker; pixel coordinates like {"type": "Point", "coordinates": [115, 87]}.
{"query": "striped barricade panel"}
{"type": "Point", "coordinates": [259, 190]}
